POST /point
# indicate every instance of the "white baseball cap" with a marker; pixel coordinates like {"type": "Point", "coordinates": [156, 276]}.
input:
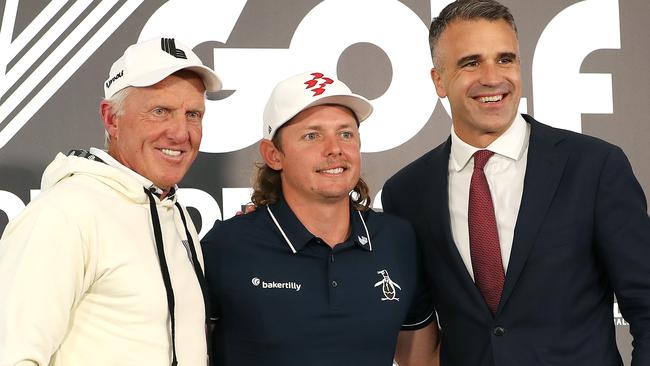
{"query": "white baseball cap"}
{"type": "Point", "coordinates": [306, 90]}
{"type": "Point", "coordinates": [148, 62]}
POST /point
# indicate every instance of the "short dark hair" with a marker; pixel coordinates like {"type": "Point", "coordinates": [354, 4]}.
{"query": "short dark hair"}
{"type": "Point", "coordinates": [467, 10]}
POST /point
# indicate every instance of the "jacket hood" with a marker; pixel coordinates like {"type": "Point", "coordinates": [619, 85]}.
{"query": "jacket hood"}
{"type": "Point", "coordinates": [64, 167]}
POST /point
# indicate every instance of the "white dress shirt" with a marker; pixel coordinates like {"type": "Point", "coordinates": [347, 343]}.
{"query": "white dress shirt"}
{"type": "Point", "coordinates": [505, 173]}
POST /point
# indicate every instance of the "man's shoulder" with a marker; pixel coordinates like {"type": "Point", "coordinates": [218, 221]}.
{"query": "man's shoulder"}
{"type": "Point", "coordinates": [237, 227]}
{"type": "Point", "coordinates": [389, 226]}
{"type": "Point", "coordinates": [386, 221]}
{"type": "Point", "coordinates": [75, 193]}
{"type": "Point", "coordinates": [71, 203]}
{"type": "Point", "coordinates": [422, 166]}
{"type": "Point", "coordinates": [573, 140]}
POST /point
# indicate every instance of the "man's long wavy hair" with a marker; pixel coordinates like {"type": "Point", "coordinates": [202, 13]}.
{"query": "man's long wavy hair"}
{"type": "Point", "coordinates": [267, 186]}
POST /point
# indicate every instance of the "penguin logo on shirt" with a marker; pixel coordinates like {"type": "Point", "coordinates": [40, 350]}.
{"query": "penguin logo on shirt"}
{"type": "Point", "coordinates": [388, 286]}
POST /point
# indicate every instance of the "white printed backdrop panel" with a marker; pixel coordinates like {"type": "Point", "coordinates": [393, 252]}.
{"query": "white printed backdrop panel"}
{"type": "Point", "coordinates": [584, 66]}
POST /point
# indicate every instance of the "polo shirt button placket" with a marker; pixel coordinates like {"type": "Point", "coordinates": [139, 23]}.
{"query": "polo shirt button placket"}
{"type": "Point", "coordinates": [334, 282]}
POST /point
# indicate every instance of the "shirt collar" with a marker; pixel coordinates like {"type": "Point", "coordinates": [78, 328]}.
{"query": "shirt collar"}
{"type": "Point", "coordinates": [511, 144]}
{"type": "Point", "coordinates": [297, 236]}
{"type": "Point", "coordinates": [106, 158]}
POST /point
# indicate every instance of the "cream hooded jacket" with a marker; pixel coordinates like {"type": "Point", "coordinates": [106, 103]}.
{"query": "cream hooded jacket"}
{"type": "Point", "coordinates": [80, 280]}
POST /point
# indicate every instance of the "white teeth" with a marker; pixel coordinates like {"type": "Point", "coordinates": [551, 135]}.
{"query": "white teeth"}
{"type": "Point", "coordinates": [170, 152]}
{"type": "Point", "coordinates": [333, 171]}
{"type": "Point", "coordinates": [494, 98]}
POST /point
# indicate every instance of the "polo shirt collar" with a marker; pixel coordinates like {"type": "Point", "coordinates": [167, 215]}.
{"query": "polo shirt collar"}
{"type": "Point", "coordinates": [297, 236]}
{"type": "Point", "coordinates": [359, 232]}
{"type": "Point", "coordinates": [511, 144]}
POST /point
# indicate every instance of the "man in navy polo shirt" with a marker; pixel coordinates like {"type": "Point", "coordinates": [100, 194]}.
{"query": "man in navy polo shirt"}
{"type": "Point", "coordinates": [313, 276]}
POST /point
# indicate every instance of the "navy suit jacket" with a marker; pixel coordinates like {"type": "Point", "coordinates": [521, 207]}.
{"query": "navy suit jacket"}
{"type": "Point", "coordinates": [582, 235]}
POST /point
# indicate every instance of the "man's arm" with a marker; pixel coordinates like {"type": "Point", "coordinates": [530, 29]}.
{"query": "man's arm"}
{"type": "Point", "coordinates": [386, 203]}
{"type": "Point", "coordinates": [41, 276]}
{"type": "Point", "coordinates": [414, 347]}
{"type": "Point", "coordinates": [622, 228]}
{"type": "Point", "coordinates": [418, 347]}
{"type": "Point", "coordinates": [212, 260]}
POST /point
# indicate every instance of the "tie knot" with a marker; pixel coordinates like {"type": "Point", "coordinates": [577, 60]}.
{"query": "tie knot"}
{"type": "Point", "coordinates": [481, 157]}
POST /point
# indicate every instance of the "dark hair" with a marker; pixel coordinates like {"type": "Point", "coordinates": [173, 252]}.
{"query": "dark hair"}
{"type": "Point", "coordinates": [467, 10]}
{"type": "Point", "coordinates": [267, 186]}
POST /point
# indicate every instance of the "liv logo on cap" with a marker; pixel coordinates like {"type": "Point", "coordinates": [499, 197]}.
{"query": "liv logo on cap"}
{"type": "Point", "coordinates": [168, 45]}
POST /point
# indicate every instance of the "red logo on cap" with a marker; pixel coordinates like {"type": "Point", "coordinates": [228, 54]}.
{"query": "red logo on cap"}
{"type": "Point", "coordinates": [315, 86]}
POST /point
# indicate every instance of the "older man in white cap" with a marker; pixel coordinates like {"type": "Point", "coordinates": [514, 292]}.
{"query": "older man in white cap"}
{"type": "Point", "coordinates": [313, 276]}
{"type": "Point", "coordinates": [104, 267]}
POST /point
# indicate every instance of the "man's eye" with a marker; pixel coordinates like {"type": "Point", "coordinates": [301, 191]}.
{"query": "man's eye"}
{"type": "Point", "coordinates": [193, 115]}
{"type": "Point", "coordinates": [471, 64]}
{"type": "Point", "coordinates": [159, 111]}
{"type": "Point", "coordinates": [347, 134]}
{"type": "Point", "coordinates": [505, 60]}
{"type": "Point", "coordinates": [310, 136]}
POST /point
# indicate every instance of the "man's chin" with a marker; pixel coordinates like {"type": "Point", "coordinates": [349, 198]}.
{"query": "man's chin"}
{"type": "Point", "coordinates": [337, 195]}
{"type": "Point", "coordinates": [167, 183]}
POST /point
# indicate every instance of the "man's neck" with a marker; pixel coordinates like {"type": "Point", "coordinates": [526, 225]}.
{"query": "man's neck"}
{"type": "Point", "coordinates": [481, 139]}
{"type": "Point", "coordinates": [116, 161]}
{"type": "Point", "coordinates": [329, 221]}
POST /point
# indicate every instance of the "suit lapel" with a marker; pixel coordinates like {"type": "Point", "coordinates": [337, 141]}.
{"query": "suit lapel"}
{"type": "Point", "coordinates": [438, 206]}
{"type": "Point", "coordinates": [438, 199]}
{"type": "Point", "coordinates": [544, 168]}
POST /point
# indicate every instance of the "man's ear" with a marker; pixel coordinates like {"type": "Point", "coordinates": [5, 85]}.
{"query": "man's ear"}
{"type": "Point", "coordinates": [271, 155]}
{"type": "Point", "coordinates": [437, 82]}
{"type": "Point", "coordinates": [108, 118]}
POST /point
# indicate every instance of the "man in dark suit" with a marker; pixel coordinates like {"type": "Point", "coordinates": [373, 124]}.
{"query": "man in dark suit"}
{"type": "Point", "coordinates": [527, 231]}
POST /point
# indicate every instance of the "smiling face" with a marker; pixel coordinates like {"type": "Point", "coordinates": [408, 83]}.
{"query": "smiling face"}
{"type": "Point", "coordinates": [159, 131]}
{"type": "Point", "coordinates": [319, 160]}
{"type": "Point", "coordinates": [479, 71]}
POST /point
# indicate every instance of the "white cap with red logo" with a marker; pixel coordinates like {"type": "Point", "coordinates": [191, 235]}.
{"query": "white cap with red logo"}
{"type": "Point", "coordinates": [302, 91]}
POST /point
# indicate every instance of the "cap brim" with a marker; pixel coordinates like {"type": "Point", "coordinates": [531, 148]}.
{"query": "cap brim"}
{"type": "Point", "coordinates": [210, 79]}
{"type": "Point", "coordinates": [358, 104]}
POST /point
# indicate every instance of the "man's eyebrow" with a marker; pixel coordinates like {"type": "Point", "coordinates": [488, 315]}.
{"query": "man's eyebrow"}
{"type": "Point", "coordinates": [196, 109]}
{"type": "Point", "coordinates": [314, 127]}
{"type": "Point", "coordinates": [346, 125]}
{"type": "Point", "coordinates": [466, 59]}
{"type": "Point", "coordinates": [340, 126]}
{"type": "Point", "coordinates": [511, 55]}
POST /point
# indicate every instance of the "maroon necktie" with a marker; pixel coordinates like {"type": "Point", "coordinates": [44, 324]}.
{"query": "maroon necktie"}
{"type": "Point", "coordinates": [483, 235]}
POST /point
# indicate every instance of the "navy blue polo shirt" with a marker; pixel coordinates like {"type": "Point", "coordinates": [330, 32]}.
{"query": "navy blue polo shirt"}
{"type": "Point", "coordinates": [282, 296]}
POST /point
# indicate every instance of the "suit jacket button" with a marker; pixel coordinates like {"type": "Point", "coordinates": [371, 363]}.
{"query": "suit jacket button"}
{"type": "Point", "coordinates": [499, 331]}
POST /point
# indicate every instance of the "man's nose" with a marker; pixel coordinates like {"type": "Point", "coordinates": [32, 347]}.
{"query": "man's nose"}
{"type": "Point", "coordinates": [332, 145]}
{"type": "Point", "coordinates": [490, 74]}
{"type": "Point", "coordinates": [177, 129]}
